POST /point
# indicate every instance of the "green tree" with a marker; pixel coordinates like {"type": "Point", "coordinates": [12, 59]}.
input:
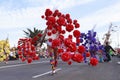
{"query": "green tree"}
{"type": "Point", "coordinates": [31, 34]}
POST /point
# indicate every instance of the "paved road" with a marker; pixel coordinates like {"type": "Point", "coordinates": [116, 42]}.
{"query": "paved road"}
{"type": "Point", "coordinates": [40, 70]}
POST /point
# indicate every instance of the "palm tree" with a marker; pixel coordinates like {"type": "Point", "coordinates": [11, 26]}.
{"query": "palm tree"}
{"type": "Point", "coordinates": [31, 34]}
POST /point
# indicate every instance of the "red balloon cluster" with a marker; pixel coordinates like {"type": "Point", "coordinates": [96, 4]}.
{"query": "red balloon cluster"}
{"type": "Point", "coordinates": [26, 50]}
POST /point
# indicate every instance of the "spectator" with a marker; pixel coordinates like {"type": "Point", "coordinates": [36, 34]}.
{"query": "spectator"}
{"type": "Point", "coordinates": [107, 51]}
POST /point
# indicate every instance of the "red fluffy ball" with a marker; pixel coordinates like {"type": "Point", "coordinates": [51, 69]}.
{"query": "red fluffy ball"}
{"type": "Point", "coordinates": [60, 50]}
{"type": "Point", "coordinates": [69, 62]}
{"type": "Point", "coordinates": [79, 57]}
{"type": "Point", "coordinates": [55, 43]}
{"type": "Point", "coordinates": [65, 56]}
{"type": "Point", "coordinates": [61, 21]}
{"type": "Point", "coordinates": [77, 40]}
{"type": "Point", "coordinates": [29, 60]}
{"type": "Point", "coordinates": [69, 27]}
{"type": "Point", "coordinates": [49, 33]}
{"type": "Point", "coordinates": [87, 54]}
{"type": "Point", "coordinates": [48, 12]}
{"type": "Point", "coordinates": [77, 25]}
{"type": "Point", "coordinates": [42, 16]}
{"type": "Point", "coordinates": [67, 16]}
{"type": "Point", "coordinates": [23, 59]}
{"type": "Point", "coordinates": [81, 49]}
{"type": "Point", "coordinates": [76, 33]}
{"type": "Point", "coordinates": [54, 31]}
{"type": "Point", "coordinates": [67, 42]}
{"type": "Point", "coordinates": [50, 39]}
{"type": "Point", "coordinates": [74, 21]}
{"type": "Point", "coordinates": [51, 20]}
{"type": "Point", "coordinates": [93, 61]}
{"type": "Point", "coordinates": [72, 47]}
{"type": "Point", "coordinates": [70, 36]}
{"type": "Point", "coordinates": [63, 32]}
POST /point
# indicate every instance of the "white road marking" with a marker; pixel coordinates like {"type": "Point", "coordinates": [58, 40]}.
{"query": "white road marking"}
{"type": "Point", "coordinates": [36, 76]}
{"type": "Point", "coordinates": [2, 67]}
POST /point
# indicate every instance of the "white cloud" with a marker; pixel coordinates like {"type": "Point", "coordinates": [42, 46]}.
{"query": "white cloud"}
{"type": "Point", "coordinates": [20, 18]}
{"type": "Point", "coordinates": [62, 4]}
{"type": "Point", "coordinates": [102, 19]}
{"type": "Point", "coordinates": [31, 16]}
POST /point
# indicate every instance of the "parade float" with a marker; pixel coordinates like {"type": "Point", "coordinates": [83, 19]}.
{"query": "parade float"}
{"type": "Point", "coordinates": [4, 50]}
{"type": "Point", "coordinates": [27, 50]}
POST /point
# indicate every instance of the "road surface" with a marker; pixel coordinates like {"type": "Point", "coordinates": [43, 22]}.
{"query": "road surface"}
{"type": "Point", "coordinates": [40, 70]}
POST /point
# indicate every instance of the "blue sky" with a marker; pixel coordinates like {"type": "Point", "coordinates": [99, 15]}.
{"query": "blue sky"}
{"type": "Point", "coordinates": [17, 15]}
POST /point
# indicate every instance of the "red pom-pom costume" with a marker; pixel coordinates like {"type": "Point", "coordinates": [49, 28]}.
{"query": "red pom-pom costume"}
{"type": "Point", "coordinates": [58, 44]}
